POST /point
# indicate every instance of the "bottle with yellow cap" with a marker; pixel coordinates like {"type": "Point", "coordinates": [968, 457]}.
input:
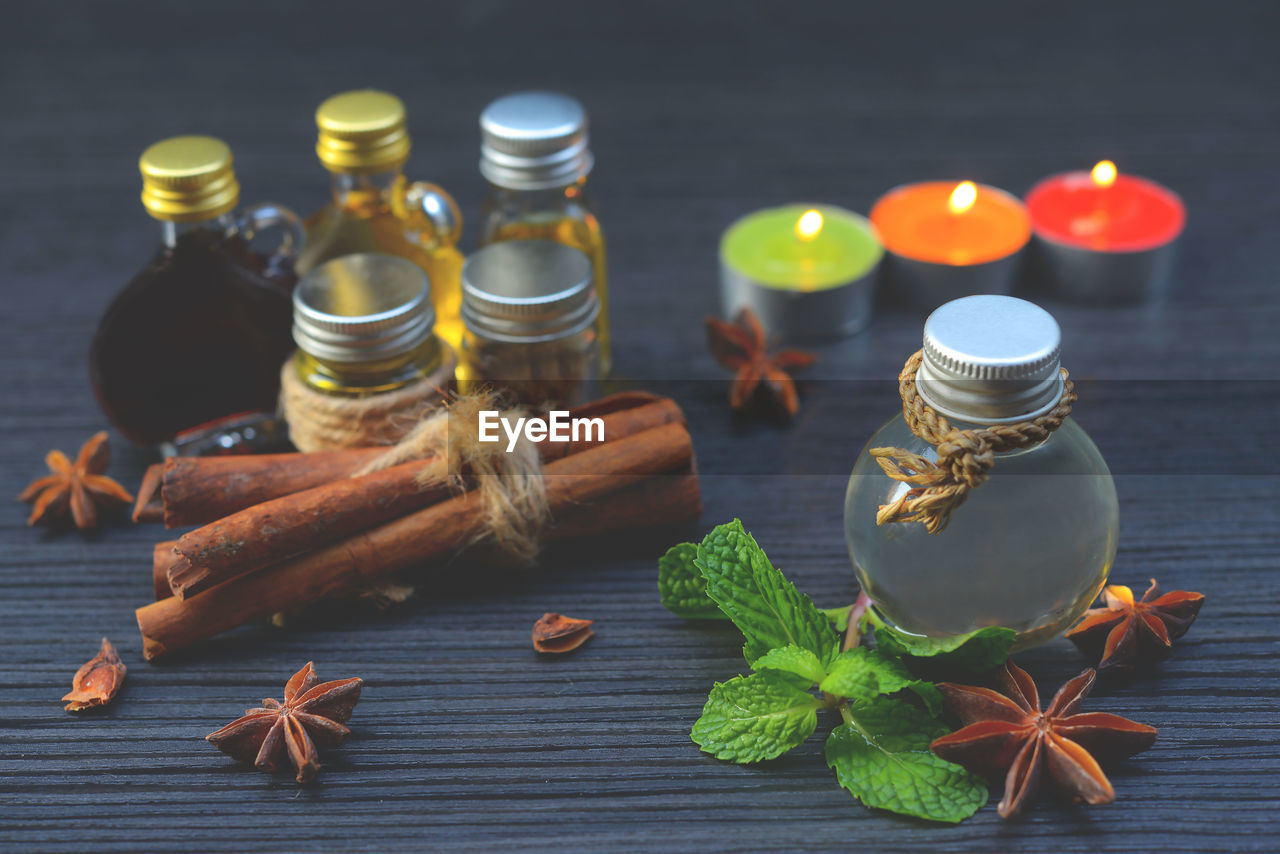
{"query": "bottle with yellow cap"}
{"type": "Point", "coordinates": [191, 349]}
{"type": "Point", "coordinates": [364, 143]}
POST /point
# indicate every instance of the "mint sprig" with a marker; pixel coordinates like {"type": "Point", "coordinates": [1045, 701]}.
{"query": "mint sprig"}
{"type": "Point", "coordinates": [880, 752]}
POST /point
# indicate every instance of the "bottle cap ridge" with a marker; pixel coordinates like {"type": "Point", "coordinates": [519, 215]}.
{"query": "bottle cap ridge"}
{"type": "Point", "coordinates": [534, 141]}
{"type": "Point", "coordinates": [362, 131]}
{"type": "Point", "coordinates": [991, 359]}
{"type": "Point", "coordinates": [188, 179]}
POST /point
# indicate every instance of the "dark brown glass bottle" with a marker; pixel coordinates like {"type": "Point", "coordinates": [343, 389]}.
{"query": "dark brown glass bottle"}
{"type": "Point", "coordinates": [200, 334]}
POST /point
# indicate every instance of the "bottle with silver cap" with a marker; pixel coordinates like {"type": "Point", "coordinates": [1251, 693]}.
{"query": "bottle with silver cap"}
{"type": "Point", "coordinates": [1031, 547]}
{"type": "Point", "coordinates": [364, 325]}
{"type": "Point", "coordinates": [531, 316]}
{"type": "Point", "coordinates": [364, 143]}
{"type": "Point", "coordinates": [536, 156]}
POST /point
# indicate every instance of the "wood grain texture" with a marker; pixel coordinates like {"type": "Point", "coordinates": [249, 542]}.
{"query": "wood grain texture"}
{"type": "Point", "coordinates": [701, 112]}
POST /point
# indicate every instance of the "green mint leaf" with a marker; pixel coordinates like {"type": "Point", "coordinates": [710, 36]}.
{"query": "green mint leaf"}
{"type": "Point", "coordinates": [765, 607]}
{"type": "Point", "coordinates": [855, 674]}
{"type": "Point", "coordinates": [861, 674]}
{"type": "Point", "coordinates": [756, 717]}
{"type": "Point", "coordinates": [753, 651]}
{"type": "Point", "coordinates": [928, 694]}
{"type": "Point", "coordinates": [839, 617]}
{"type": "Point", "coordinates": [682, 587]}
{"type": "Point", "coordinates": [881, 755]}
{"type": "Point", "coordinates": [980, 650]}
{"type": "Point", "coordinates": [792, 659]}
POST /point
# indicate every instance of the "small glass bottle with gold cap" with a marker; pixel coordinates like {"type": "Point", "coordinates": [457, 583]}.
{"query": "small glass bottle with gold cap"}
{"type": "Point", "coordinates": [364, 143]}
{"type": "Point", "coordinates": [535, 154]}
{"type": "Point", "coordinates": [194, 342]}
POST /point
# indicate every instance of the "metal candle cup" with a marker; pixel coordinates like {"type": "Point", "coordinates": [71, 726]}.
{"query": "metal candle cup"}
{"type": "Point", "coordinates": [807, 272]}
{"type": "Point", "coordinates": [1103, 237]}
{"type": "Point", "coordinates": [945, 240]}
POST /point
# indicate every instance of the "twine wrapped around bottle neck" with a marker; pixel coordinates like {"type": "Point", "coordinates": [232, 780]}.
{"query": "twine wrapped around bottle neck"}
{"type": "Point", "coordinates": [965, 457]}
{"type": "Point", "coordinates": [326, 422]}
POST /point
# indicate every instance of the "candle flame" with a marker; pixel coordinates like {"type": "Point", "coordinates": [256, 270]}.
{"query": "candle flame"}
{"type": "Point", "coordinates": [1104, 174]}
{"type": "Point", "coordinates": [808, 225]}
{"type": "Point", "coordinates": [963, 197]}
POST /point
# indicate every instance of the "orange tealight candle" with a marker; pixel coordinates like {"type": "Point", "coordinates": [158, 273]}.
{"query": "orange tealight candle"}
{"type": "Point", "coordinates": [946, 240]}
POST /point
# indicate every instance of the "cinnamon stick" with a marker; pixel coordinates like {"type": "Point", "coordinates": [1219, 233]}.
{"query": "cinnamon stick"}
{"type": "Point", "coordinates": [200, 490]}
{"type": "Point", "coordinates": [275, 530]}
{"type": "Point", "coordinates": [653, 502]}
{"type": "Point", "coordinates": [448, 526]}
{"type": "Point", "coordinates": [164, 556]}
{"type": "Point", "coordinates": [196, 490]}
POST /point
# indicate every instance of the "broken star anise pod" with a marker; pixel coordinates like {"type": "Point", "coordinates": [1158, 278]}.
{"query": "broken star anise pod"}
{"type": "Point", "coordinates": [313, 713]}
{"type": "Point", "coordinates": [741, 347]}
{"type": "Point", "coordinates": [97, 681]}
{"type": "Point", "coordinates": [1126, 632]}
{"type": "Point", "coordinates": [78, 486]}
{"type": "Point", "coordinates": [556, 633]}
{"type": "Point", "coordinates": [1008, 732]}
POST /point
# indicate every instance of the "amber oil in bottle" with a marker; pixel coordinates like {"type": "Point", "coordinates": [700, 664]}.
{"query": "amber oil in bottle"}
{"type": "Point", "coordinates": [536, 157]}
{"type": "Point", "coordinates": [363, 142]}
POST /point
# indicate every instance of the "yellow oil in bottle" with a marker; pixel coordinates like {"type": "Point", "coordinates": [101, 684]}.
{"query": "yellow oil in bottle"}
{"type": "Point", "coordinates": [364, 143]}
{"type": "Point", "coordinates": [374, 377]}
{"type": "Point", "coordinates": [363, 221]}
{"type": "Point", "coordinates": [583, 234]}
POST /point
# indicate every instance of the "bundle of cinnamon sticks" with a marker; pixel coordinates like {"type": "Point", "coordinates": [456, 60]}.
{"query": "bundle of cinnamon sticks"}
{"type": "Point", "coordinates": [281, 531]}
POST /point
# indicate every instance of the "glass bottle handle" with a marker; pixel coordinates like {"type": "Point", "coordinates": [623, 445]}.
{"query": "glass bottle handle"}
{"type": "Point", "coordinates": [259, 218]}
{"type": "Point", "coordinates": [429, 207]}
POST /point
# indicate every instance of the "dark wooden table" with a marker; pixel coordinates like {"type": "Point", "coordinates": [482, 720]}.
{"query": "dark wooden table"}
{"type": "Point", "coordinates": [701, 112]}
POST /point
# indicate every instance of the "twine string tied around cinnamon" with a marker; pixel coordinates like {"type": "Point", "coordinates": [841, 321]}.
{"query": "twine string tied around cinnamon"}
{"type": "Point", "coordinates": [512, 490]}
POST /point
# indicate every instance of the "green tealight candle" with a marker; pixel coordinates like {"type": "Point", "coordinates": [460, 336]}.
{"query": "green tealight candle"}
{"type": "Point", "coordinates": [807, 271]}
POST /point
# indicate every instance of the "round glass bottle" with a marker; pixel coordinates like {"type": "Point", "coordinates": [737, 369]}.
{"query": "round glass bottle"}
{"type": "Point", "coordinates": [188, 354]}
{"type": "Point", "coordinates": [536, 157]}
{"type": "Point", "coordinates": [364, 143]}
{"type": "Point", "coordinates": [1031, 547]}
{"type": "Point", "coordinates": [531, 314]}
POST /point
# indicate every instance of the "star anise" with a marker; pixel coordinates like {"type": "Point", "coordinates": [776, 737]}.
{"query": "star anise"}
{"type": "Point", "coordinates": [79, 486]}
{"type": "Point", "coordinates": [1008, 731]}
{"type": "Point", "coordinates": [1126, 632]}
{"type": "Point", "coordinates": [741, 347]}
{"type": "Point", "coordinates": [313, 712]}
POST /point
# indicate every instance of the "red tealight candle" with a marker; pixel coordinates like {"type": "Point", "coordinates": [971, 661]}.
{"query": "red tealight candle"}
{"type": "Point", "coordinates": [1104, 236]}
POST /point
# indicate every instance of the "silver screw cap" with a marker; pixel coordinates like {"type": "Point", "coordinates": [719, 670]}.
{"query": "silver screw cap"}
{"type": "Point", "coordinates": [991, 360]}
{"type": "Point", "coordinates": [362, 307]}
{"type": "Point", "coordinates": [534, 141]}
{"type": "Point", "coordinates": [527, 291]}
